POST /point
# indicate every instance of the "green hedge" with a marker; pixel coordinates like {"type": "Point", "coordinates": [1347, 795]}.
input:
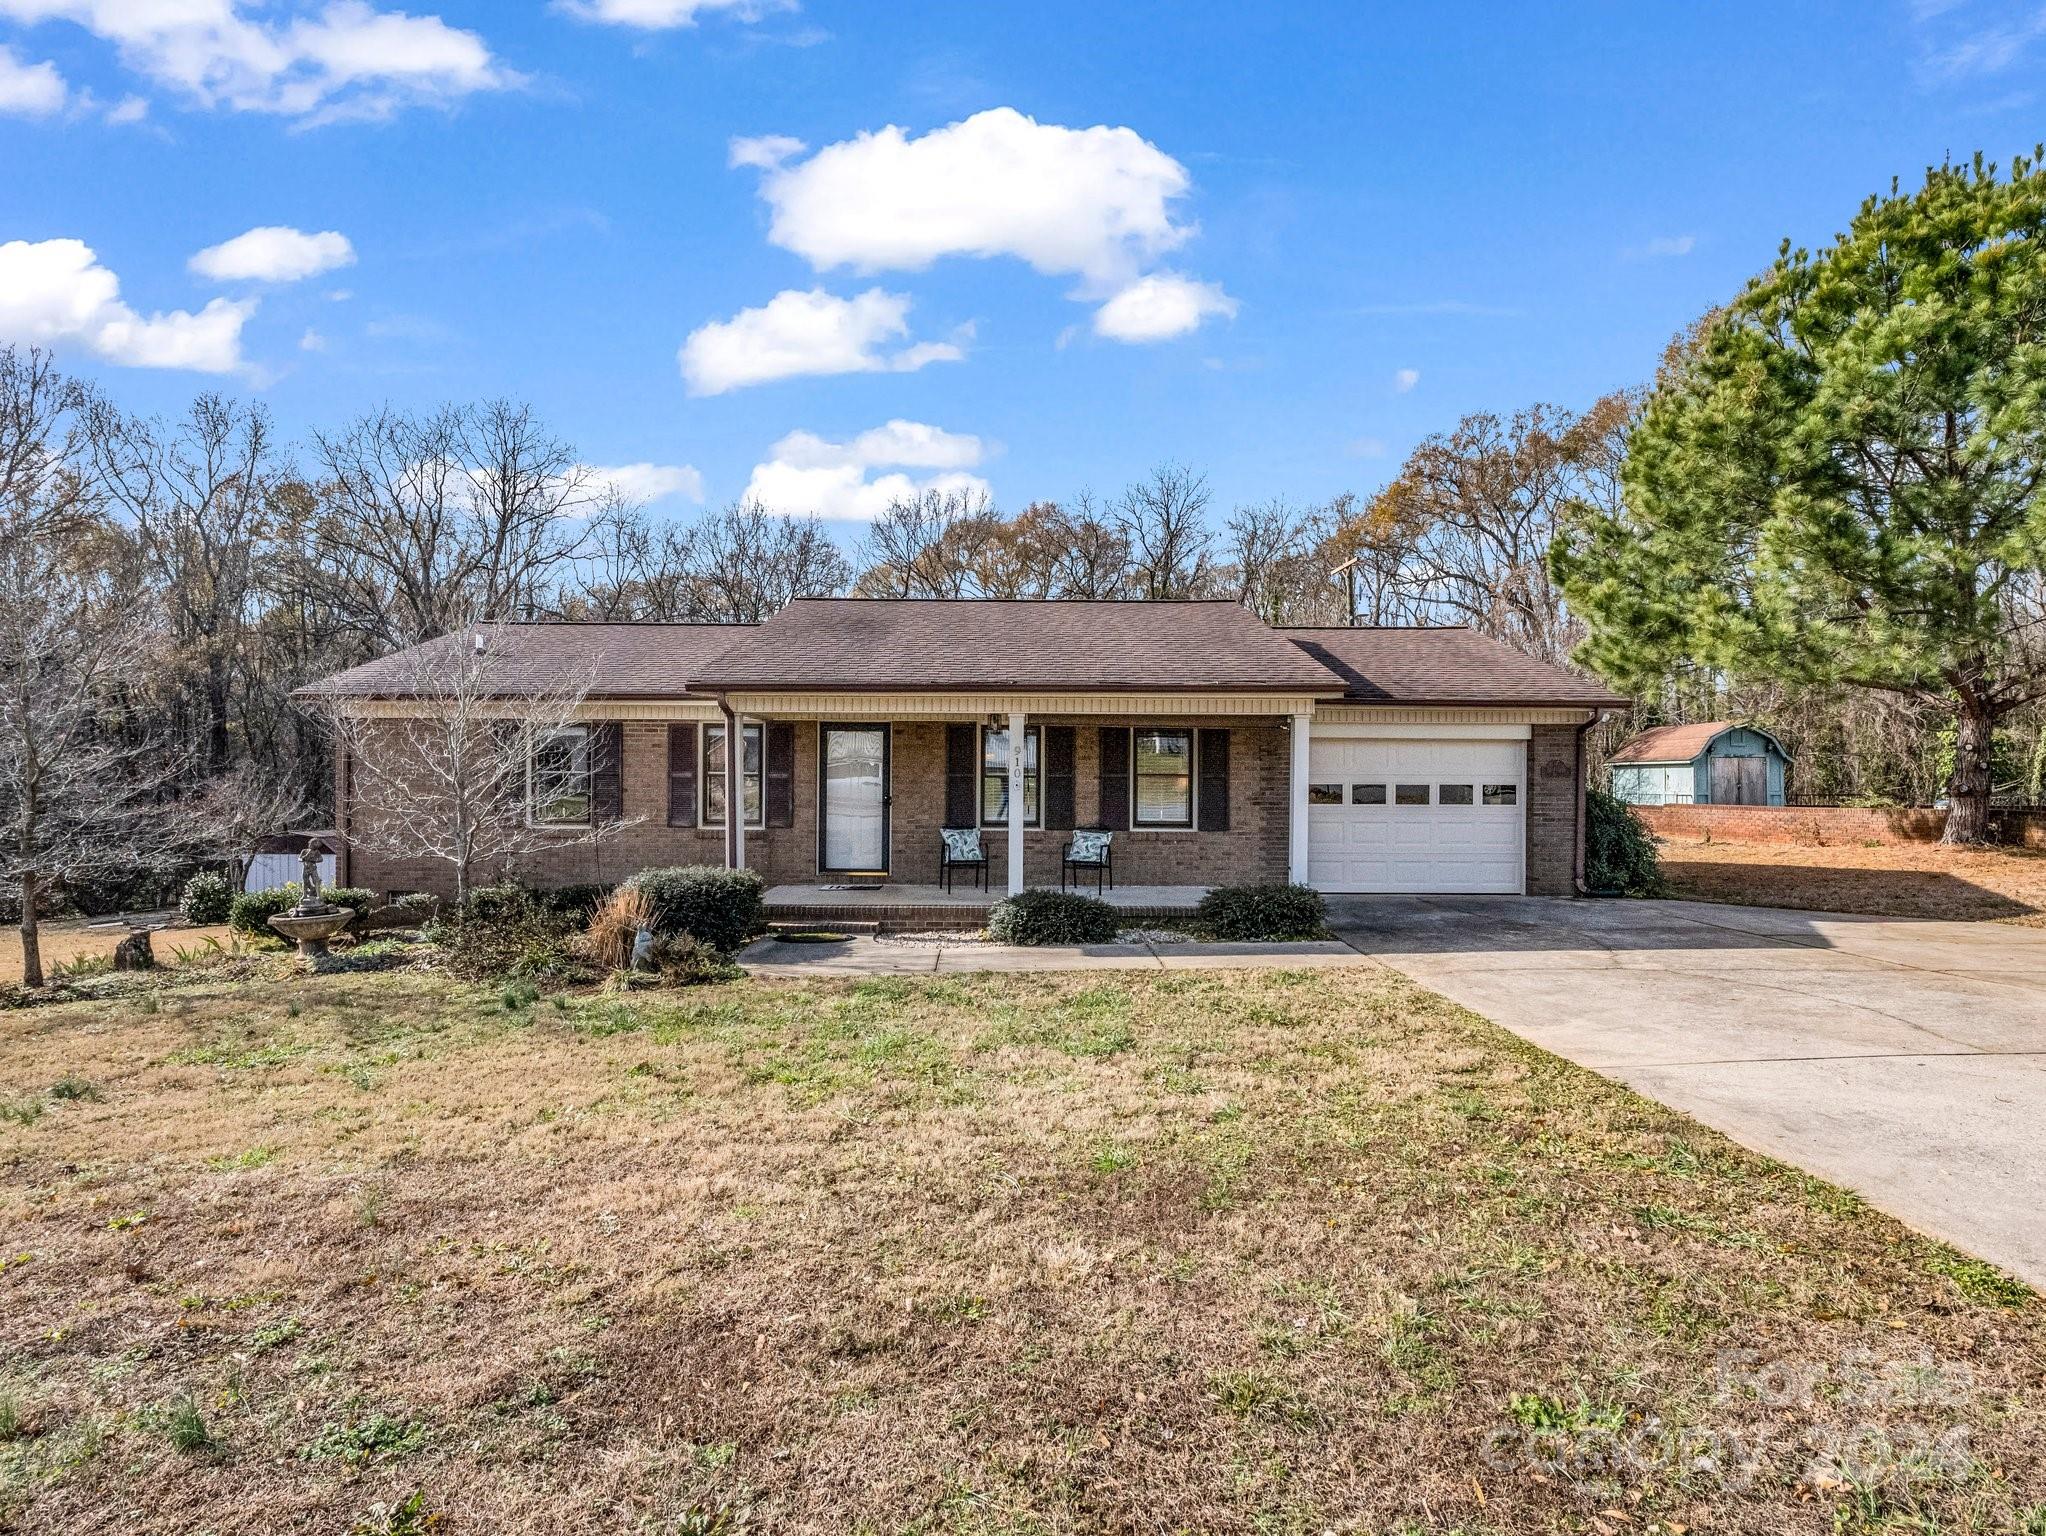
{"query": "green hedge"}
{"type": "Point", "coordinates": [251, 911]}
{"type": "Point", "coordinates": [206, 899]}
{"type": "Point", "coordinates": [722, 907]}
{"type": "Point", "coordinates": [1619, 852]}
{"type": "Point", "coordinates": [1268, 913]}
{"type": "Point", "coordinates": [1053, 917]}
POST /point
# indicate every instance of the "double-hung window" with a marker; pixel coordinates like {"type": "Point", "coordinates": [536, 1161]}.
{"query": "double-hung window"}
{"type": "Point", "coordinates": [558, 778]}
{"type": "Point", "coordinates": [751, 776]}
{"type": "Point", "coordinates": [1162, 778]}
{"type": "Point", "coordinates": [994, 776]}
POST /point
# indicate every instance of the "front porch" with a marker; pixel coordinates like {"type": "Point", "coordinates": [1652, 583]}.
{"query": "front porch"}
{"type": "Point", "coordinates": [901, 904]}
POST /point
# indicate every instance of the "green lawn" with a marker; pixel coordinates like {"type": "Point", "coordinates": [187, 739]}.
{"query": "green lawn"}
{"type": "Point", "coordinates": [1275, 1251]}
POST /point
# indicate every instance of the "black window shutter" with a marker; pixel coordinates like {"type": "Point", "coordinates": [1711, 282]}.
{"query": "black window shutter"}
{"type": "Point", "coordinates": [607, 770]}
{"type": "Point", "coordinates": [781, 774]}
{"type": "Point", "coordinates": [962, 776]}
{"type": "Point", "coordinates": [1212, 780]}
{"type": "Point", "coordinates": [682, 775]}
{"type": "Point", "coordinates": [1115, 777]}
{"type": "Point", "coordinates": [1058, 777]}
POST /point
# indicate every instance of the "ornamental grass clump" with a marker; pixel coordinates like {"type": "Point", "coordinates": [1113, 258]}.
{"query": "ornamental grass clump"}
{"type": "Point", "coordinates": [617, 924]}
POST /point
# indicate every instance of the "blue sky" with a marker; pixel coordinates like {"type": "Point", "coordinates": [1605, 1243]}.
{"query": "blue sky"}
{"type": "Point", "coordinates": [1279, 243]}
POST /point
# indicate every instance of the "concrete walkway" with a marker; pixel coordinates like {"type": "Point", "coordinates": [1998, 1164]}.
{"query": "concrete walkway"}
{"type": "Point", "coordinates": [1903, 1059]}
{"type": "Point", "coordinates": [939, 957]}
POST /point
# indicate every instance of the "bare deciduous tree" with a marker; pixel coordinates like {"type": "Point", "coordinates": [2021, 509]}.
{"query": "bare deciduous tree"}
{"type": "Point", "coordinates": [79, 788]}
{"type": "Point", "coordinates": [197, 492]}
{"type": "Point", "coordinates": [428, 519]}
{"type": "Point", "coordinates": [1163, 522]}
{"type": "Point", "coordinates": [482, 763]}
{"type": "Point", "coordinates": [926, 545]}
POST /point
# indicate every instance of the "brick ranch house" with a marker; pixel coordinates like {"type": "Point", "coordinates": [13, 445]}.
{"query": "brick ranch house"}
{"type": "Point", "coordinates": [1217, 749]}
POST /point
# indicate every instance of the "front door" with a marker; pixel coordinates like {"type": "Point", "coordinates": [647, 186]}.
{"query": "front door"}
{"type": "Point", "coordinates": [854, 835]}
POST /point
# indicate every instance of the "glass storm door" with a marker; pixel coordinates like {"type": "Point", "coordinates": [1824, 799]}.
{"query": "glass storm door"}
{"type": "Point", "coordinates": [855, 833]}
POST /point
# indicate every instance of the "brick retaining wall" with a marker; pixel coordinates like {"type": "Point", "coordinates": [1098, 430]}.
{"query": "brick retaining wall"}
{"type": "Point", "coordinates": [1818, 825]}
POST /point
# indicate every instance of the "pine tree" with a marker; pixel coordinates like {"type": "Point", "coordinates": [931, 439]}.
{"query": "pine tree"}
{"type": "Point", "coordinates": [1843, 480]}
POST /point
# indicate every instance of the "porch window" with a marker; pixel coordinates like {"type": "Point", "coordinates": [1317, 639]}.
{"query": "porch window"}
{"type": "Point", "coordinates": [558, 778]}
{"type": "Point", "coordinates": [994, 776]}
{"type": "Point", "coordinates": [751, 775]}
{"type": "Point", "coordinates": [1162, 784]}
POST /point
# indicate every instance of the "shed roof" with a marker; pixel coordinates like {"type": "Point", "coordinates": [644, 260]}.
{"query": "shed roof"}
{"type": "Point", "coordinates": [1684, 743]}
{"type": "Point", "coordinates": [1450, 664]}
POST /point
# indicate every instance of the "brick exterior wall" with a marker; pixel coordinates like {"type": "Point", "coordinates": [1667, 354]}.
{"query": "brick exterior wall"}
{"type": "Point", "coordinates": [1254, 847]}
{"type": "Point", "coordinates": [1554, 807]}
{"type": "Point", "coordinates": [1819, 825]}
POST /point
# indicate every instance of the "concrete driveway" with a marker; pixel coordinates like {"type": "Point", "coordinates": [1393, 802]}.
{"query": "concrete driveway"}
{"type": "Point", "coordinates": [1903, 1059]}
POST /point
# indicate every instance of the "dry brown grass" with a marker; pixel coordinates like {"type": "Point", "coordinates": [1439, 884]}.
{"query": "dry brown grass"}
{"type": "Point", "coordinates": [66, 941]}
{"type": "Point", "coordinates": [1906, 880]}
{"type": "Point", "coordinates": [1187, 1252]}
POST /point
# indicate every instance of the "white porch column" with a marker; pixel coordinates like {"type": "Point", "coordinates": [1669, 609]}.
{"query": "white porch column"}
{"type": "Point", "coordinates": [735, 791]}
{"type": "Point", "coordinates": [735, 782]}
{"type": "Point", "coordinates": [1296, 822]}
{"type": "Point", "coordinates": [1016, 805]}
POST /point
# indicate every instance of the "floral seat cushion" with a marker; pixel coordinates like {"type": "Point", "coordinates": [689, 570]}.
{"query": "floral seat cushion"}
{"type": "Point", "coordinates": [962, 844]}
{"type": "Point", "coordinates": [1089, 847]}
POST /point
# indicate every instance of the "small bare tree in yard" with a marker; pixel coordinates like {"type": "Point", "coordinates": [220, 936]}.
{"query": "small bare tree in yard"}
{"type": "Point", "coordinates": [481, 761]}
{"type": "Point", "coordinates": [76, 783]}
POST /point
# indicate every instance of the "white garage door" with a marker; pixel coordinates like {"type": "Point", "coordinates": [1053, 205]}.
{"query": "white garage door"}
{"type": "Point", "coordinates": [1441, 816]}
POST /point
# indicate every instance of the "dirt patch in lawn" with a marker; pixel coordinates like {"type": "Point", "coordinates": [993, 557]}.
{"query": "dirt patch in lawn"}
{"type": "Point", "coordinates": [63, 942]}
{"type": "Point", "coordinates": [1906, 880]}
{"type": "Point", "coordinates": [1272, 1251]}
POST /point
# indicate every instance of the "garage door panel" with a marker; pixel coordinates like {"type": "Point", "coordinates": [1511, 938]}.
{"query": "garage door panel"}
{"type": "Point", "coordinates": [1364, 845]}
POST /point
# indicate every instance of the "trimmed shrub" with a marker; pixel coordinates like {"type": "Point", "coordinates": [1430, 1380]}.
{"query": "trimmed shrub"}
{"type": "Point", "coordinates": [1053, 917]}
{"type": "Point", "coordinates": [206, 899]}
{"type": "Point", "coordinates": [1270, 912]}
{"type": "Point", "coordinates": [1619, 852]}
{"type": "Point", "coordinates": [250, 912]}
{"type": "Point", "coordinates": [722, 907]}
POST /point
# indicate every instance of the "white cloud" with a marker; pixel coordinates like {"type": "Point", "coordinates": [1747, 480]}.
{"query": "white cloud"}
{"type": "Point", "coordinates": [651, 482]}
{"type": "Point", "coordinates": [661, 15]}
{"type": "Point", "coordinates": [345, 59]}
{"type": "Point", "coordinates": [763, 152]}
{"type": "Point", "coordinates": [1405, 380]}
{"type": "Point", "coordinates": [56, 292]}
{"type": "Point", "coordinates": [800, 333]}
{"type": "Point", "coordinates": [30, 90]}
{"type": "Point", "coordinates": [312, 341]}
{"type": "Point", "coordinates": [129, 109]}
{"type": "Point", "coordinates": [1365, 447]}
{"type": "Point", "coordinates": [1666, 245]}
{"type": "Point", "coordinates": [1159, 307]}
{"type": "Point", "coordinates": [807, 473]}
{"type": "Point", "coordinates": [274, 254]}
{"type": "Point", "coordinates": [1092, 202]}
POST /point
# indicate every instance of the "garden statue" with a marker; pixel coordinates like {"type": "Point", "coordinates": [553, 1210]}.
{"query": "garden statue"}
{"type": "Point", "coordinates": [314, 920]}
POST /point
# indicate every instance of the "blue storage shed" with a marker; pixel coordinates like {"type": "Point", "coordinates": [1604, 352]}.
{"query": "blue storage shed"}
{"type": "Point", "coordinates": [1721, 762]}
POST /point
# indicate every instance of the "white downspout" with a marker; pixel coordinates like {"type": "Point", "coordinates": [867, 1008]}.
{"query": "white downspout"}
{"type": "Point", "coordinates": [1016, 807]}
{"type": "Point", "coordinates": [1296, 822]}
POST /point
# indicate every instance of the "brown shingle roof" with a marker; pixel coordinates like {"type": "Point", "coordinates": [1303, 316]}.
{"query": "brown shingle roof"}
{"type": "Point", "coordinates": [619, 661]}
{"type": "Point", "coordinates": [1444, 666]}
{"type": "Point", "coordinates": [917, 644]}
{"type": "Point", "coordinates": [877, 644]}
{"type": "Point", "coordinates": [1682, 743]}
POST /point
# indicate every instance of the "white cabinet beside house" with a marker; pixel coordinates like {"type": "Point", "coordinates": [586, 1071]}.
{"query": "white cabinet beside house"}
{"type": "Point", "coordinates": [1429, 816]}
